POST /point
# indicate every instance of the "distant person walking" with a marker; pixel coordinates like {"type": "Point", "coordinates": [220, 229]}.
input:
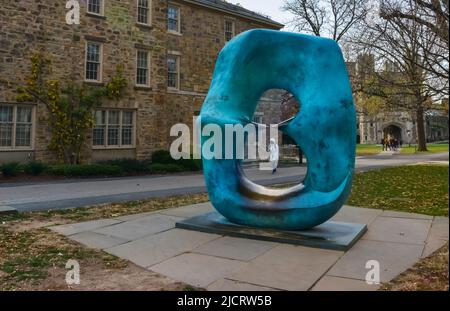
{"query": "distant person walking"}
{"type": "Point", "coordinates": [383, 143]}
{"type": "Point", "coordinates": [274, 154]}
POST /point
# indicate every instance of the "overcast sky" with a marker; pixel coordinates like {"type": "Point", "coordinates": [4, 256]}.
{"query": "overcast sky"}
{"type": "Point", "coordinates": [267, 7]}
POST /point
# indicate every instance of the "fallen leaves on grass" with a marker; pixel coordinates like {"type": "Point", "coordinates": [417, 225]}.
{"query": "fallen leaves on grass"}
{"type": "Point", "coordinates": [415, 189]}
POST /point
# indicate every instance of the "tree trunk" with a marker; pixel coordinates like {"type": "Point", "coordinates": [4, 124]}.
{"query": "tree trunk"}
{"type": "Point", "coordinates": [421, 139]}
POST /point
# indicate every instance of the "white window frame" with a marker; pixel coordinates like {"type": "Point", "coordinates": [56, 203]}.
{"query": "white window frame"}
{"type": "Point", "coordinates": [105, 137]}
{"type": "Point", "coordinates": [233, 31]}
{"type": "Point", "coordinates": [102, 8]}
{"type": "Point", "coordinates": [14, 127]}
{"type": "Point", "coordinates": [178, 31]}
{"type": "Point", "coordinates": [148, 68]}
{"type": "Point", "coordinates": [178, 58]}
{"type": "Point", "coordinates": [149, 13]}
{"type": "Point", "coordinates": [100, 69]}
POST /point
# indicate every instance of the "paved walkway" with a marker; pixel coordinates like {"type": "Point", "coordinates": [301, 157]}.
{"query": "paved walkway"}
{"type": "Point", "coordinates": [78, 193]}
{"type": "Point", "coordinates": [396, 240]}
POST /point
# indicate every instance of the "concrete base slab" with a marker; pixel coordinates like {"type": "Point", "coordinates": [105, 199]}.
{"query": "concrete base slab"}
{"type": "Point", "coordinates": [330, 235]}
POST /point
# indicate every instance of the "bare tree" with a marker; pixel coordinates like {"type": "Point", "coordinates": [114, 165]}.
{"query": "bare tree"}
{"type": "Point", "coordinates": [432, 14]}
{"type": "Point", "coordinates": [433, 17]}
{"type": "Point", "coordinates": [405, 84]}
{"type": "Point", "coordinates": [327, 18]}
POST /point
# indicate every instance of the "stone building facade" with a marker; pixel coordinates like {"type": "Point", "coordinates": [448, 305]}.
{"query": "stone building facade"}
{"type": "Point", "coordinates": [168, 51]}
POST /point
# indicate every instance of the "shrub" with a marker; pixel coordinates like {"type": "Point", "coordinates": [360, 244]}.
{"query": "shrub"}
{"type": "Point", "coordinates": [162, 157]}
{"type": "Point", "coordinates": [11, 169]}
{"type": "Point", "coordinates": [166, 168]}
{"type": "Point", "coordinates": [129, 165]}
{"type": "Point", "coordinates": [86, 170]}
{"type": "Point", "coordinates": [35, 168]}
{"type": "Point", "coordinates": [190, 164]}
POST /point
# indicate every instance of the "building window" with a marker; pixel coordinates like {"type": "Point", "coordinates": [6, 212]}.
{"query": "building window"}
{"type": "Point", "coordinates": [229, 30]}
{"type": "Point", "coordinates": [16, 126]}
{"type": "Point", "coordinates": [142, 68]}
{"type": "Point", "coordinates": [93, 61]}
{"type": "Point", "coordinates": [113, 128]}
{"type": "Point", "coordinates": [143, 13]}
{"type": "Point", "coordinates": [95, 7]}
{"type": "Point", "coordinates": [258, 119]}
{"type": "Point", "coordinates": [173, 70]}
{"type": "Point", "coordinates": [173, 19]}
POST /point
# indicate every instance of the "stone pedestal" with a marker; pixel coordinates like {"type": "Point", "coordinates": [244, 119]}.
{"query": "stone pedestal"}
{"type": "Point", "coordinates": [330, 235]}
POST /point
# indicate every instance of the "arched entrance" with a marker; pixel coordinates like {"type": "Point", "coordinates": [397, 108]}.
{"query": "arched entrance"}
{"type": "Point", "coordinates": [393, 132]}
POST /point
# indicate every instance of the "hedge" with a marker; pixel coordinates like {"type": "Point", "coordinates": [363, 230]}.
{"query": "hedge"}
{"type": "Point", "coordinates": [11, 169]}
{"type": "Point", "coordinates": [85, 170]}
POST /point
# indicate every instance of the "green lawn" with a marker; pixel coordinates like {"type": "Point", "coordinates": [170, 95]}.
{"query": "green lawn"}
{"type": "Point", "coordinates": [416, 189]}
{"type": "Point", "coordinates": [368, 149]}
{"type": "Point", "coordinates": [363, 149]}
{"type": "Point", "coordinates": [432, 148]}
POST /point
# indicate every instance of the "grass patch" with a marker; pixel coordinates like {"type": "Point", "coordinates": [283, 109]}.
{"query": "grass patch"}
{"type": "Point", "coordinates": [363, 149]}
{"type": "Point", "coordinates": [432, 148]}
{"type": "Point", "coordinates": [29, 253]}
{"type": "Point", "coordinates": [27, 256]}
{"type": "Point", "coordinates": [112, 210]}
{"type": "Point", "coordinates": [419, 189]}
{"type": "Point", "coordinates": [429, 274]}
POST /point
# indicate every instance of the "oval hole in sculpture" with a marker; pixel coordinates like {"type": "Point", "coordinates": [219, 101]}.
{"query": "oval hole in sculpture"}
{"type": "Point", "coordinates": [277, 106]}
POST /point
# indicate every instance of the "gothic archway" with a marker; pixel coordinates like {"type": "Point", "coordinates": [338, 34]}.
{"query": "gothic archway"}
{"type": "Point", "coordinates": [393, 131]}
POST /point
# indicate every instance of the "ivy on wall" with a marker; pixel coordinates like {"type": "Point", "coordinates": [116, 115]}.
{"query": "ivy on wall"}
{"type": "Point", "coordinates": [70, 106]}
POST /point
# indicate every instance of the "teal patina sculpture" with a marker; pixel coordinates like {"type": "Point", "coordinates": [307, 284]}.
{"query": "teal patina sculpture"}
{"type": "Point", "coordinates": [314, 71]}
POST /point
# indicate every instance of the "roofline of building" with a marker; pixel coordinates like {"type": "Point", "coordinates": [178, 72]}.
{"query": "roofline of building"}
{"type": "Point", "coordinates": [255, 17]}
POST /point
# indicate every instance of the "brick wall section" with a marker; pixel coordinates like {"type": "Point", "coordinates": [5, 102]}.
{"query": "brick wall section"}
{"type": "Point", "coordinates": [28, 26]}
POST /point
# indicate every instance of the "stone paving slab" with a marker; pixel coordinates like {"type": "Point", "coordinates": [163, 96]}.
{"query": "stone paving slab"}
{"type": "Point", "coordinates": [189, 211]}
{"type": "Point", "coordinates": [332, 283]}
{"type": "Point", "coordinates": [230, 285]}
{"type": "Point", "coordinates": [235, 248]}
{"type": "Point", "coordinates": [96, 240]}
{"type": "Point", "coordinates": [84, 226]}
{"type": "Point", "coordinates": [196, 269]}
{"type": "Point", "coordinates": [287, 267]}
{"type": "Point", "coordinates": [141, 227]}
{"type": "Point", "coordinates": [401, 230]}
{"type": "Point", "coordinates": [431, 246]}
{"type": "Point", "coordinates": [394, 258]}
{"type": "Point", "coordinates": [396, 239]}
{"type": "Point", "coordinates": [439, 228]}
{"type": "Point", "coordinates": [329, 235]}
{"type": "Point", "coordinates": [357, 215]}
{"type": "Point", "coordinates": [156, 248]}
{"type": "Point", "coordinates": [397, 214]}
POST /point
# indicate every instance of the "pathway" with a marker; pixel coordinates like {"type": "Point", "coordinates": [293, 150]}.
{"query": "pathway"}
{"type": "Point", "coordinates": [78, 193]}
{"type": "Point", "coordinates": [395, 240]}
